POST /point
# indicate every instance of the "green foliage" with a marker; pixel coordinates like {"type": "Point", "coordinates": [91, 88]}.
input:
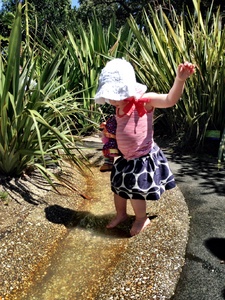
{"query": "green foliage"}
{"type": "Point", "coordinates": [123, 9]}
{"type": "Point", "coordinates": [41, 14]}
{"type": "Point", "coordinates": [4, 197]}
{"type": "Point", "coordinates": [163, 44]}
{"type": "Point", "coordinates": [37, 119]}
{"type": "Point", "coordinates": [35, 108]}
{"type": "Point", "coordinates": [87, 56]}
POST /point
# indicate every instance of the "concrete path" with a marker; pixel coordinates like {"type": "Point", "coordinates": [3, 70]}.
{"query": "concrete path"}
{"type": "Point", "coordinates": [203, 187]}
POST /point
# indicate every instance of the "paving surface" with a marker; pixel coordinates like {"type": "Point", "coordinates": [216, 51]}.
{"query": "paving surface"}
{"type": "Point", "coordinates": [203, 186]}
{"type": "Point", "coordinates": [151, 267]}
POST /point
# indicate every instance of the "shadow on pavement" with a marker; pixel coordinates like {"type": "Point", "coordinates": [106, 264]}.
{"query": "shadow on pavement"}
{"type": "Point", "coordinates": [204, 169]}
{"type": "Point", "coordinates": [217, 247]}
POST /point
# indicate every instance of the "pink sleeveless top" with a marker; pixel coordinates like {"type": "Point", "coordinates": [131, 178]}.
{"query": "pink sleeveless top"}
{"type": "Point", "coordinates": [134, 134]}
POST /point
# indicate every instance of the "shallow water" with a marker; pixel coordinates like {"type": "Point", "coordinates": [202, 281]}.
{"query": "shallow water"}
{"type": "Point", "coordinates": [89, 252]}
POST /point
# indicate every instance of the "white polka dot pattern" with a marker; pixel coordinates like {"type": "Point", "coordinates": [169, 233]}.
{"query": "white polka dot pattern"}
{"type": "Point", "coordinates": [146, 177]}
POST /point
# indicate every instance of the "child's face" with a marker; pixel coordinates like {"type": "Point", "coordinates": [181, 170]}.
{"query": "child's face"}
{"type": "Point", "coordinates": [116, 103]}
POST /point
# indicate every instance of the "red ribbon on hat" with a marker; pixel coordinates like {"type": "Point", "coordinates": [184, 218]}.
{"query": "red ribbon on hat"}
{"type": "Point", "coordinates": [137, 104]}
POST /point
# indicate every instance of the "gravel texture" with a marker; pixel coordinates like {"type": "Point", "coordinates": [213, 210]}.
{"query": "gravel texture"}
{"type": "Point", "coordinates": [148, 269]}
{"type": "Point", "coordinates": [151, 265]}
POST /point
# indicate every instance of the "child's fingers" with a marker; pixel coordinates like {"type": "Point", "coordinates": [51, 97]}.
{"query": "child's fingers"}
{"type": "Point", "coordinates": [180, 67]}
{"type": "Point", "coordinates": [185, 70]}
{"type": "Point", "coordinates": [189, 66]}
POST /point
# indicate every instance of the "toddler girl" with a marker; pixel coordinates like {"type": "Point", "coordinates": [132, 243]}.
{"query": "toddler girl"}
{"type": "Point", "coordinates": [142, 172]}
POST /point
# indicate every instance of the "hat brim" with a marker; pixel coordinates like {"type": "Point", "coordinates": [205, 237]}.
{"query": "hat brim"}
{"type": "Point", "coordinates": [106, 93]}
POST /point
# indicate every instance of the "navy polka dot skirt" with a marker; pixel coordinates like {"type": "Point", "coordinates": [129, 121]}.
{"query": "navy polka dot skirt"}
{"type": "Point", "coordinates": [146, 177]}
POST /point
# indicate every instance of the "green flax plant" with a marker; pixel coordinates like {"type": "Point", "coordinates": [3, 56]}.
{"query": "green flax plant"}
{"type": "Point", "coordinates": [162, 48]}
{"type": "Point", "coordinates": [163, 43]}
{"type": "Point", "coordinates": [89, 48]}
{"type": "Point", "coordinates": [35, 109]}
{"type": "Point", "coordinates": [208, 52]}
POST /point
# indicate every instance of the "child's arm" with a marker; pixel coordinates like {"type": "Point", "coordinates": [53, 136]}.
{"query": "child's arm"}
{"type": "Point", "coordinates": [167, 100]}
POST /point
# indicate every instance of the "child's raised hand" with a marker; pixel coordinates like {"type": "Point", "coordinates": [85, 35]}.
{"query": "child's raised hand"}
{"type": "Point", "coordinates": [185, 70]}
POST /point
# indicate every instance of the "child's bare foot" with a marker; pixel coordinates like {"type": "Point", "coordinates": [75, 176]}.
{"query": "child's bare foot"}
{"type": "Point", "coordinates": [117, 220]}
{"type": "Point", "coordinates": [139, 225]}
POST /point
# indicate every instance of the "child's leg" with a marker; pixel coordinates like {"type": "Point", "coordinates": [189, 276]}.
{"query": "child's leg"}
{"type": "Point", "coordinates": [121, 211]}
{"type": "Point", "coordinates": [141, 219]}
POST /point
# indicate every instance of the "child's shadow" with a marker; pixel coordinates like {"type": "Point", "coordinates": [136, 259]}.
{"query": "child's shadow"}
{"type": "Point", "coordinates": [217, 247]}
{"type": "Point", "coordinates": [84, 219]}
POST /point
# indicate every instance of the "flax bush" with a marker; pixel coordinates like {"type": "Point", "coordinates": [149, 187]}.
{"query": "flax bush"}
{"type": "Point", "coordinates": [89, 49]}
{"type": "Point", "coordinates": [35, 108]}
{"type": "Point", "coordinates": [163, 43]}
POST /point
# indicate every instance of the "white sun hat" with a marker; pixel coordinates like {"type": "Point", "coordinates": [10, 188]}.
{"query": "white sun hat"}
{"type": "Point", "coordinates": [117, 81]}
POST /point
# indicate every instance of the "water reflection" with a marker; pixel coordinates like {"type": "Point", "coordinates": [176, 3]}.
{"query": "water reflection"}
{"type": "Point", "coordinates": [90, 251]}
